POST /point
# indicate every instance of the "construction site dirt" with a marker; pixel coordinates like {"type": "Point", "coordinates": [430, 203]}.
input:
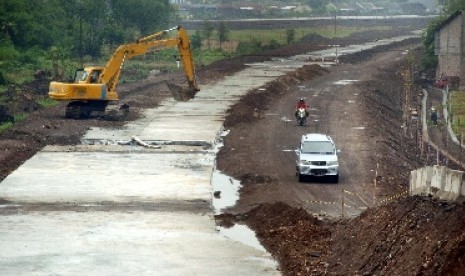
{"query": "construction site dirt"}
{"type": "Point", "coordinates": [364, 225]}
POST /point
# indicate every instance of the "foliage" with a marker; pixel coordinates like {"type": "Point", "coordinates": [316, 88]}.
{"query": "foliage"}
{"type": "Point", "coordinates": [205, 57]}
{"type": "Point", "coordinates": [38, 34]}
{"type": "Point", "coordinates": [20, 117]}
{"type": "Point", "coordinates": [290, 36]}
{"type": "Point", "coordinates": [429, 59]}
{"type": "Point", "coordinates": [274, 44]}
{"type": "Point", "coordinates": [47, 102]}
{"type": "Point", "coordinates": [8, 52]}
{"type": "Point", "coordinates": [3, 80]}
{"type": "Point", "coordinates": [454, 5]}
{"type": "Point", "coordinates": [249, 47]}
{"type": "Point", "coordinates": [5, 126]}
{"type": "Point", "coordinates": [207, 31]}
{"type": "Point", "coordinates": [451, 6]}
{"type": "Point", "coordinates": [222, 32]}
{"type": "Point", "coordinates": [319, 6]}
{"type": "Point", "coordinates": [457, 106]}
{"type": "Point", "coordinates": [83, 25]}
{"type": "Point", "coordinates": [196, 40]}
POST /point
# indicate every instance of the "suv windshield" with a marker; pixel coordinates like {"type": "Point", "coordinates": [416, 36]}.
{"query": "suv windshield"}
{"type": "Point", "coordinates": [317, 147]}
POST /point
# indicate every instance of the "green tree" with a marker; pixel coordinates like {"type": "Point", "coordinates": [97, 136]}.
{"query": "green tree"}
{"type": "Point", "coordinates": [290, 36]}
{"type": "Point", "coordinates": [430, 60]}
{"type": "Point", "coordinates": [207, 32]}
{"type": "Point", "coordinates": [29, 23]}
{"type": "Point", "coordinates": [196, 40]}
{"type": "Point", "coordinates": [147, 16]}
{"type": "Point", "coordinates": [318, 6]}
{"type": "Point", "coordinates": [30, 29]}
{"type": "Point", "coordinates": [454, 5]}
{"type": "Point", "coordinates": [222, 33]}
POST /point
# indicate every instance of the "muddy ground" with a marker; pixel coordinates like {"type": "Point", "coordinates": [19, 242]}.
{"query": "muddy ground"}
{"type": "Point", "coordinates": [387, 233]}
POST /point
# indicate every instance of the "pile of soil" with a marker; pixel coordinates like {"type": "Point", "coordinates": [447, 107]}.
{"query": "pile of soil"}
{"type": "Point", "coordinates": [405, 237]}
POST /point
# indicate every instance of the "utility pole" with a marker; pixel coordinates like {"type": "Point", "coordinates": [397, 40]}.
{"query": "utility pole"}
{"type": "Point", "coordinates": [410, 59]}
{"type": "Point", "coordinates": [408, 84]}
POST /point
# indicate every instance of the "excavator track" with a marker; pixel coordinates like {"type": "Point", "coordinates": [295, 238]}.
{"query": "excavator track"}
{"type": "Point", "coordinates": [73, 111]}
{"type": "Point", "coordinates": [100, 109]}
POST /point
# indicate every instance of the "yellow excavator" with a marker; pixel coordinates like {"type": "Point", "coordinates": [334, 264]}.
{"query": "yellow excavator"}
{"type": "Point", "coordinates": [94, 88]}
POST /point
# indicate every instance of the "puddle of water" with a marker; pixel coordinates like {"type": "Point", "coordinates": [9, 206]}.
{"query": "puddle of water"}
{"type": "Point", "coordinates": [360, 127]}
{"type": "Point", "coordinates": [226, 191]}
{"type": "Point", "coordinates": [242, 234]}
{"type": "Point", "coordinates": [351, 101]}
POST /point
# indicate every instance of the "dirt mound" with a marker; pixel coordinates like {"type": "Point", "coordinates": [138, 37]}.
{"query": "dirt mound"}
{"type": "Point", "coordinates": [406, 237]}
{"type": "Point", "coordinates": [299, 241]}
{"type": "Point", "coordinates": [299, 238]}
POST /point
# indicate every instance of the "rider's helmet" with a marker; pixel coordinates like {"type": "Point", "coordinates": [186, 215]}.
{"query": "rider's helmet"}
{"type": "Point", "coordinates": [302, 100]}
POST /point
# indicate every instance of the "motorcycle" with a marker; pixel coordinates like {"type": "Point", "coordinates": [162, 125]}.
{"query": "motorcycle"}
{"type": "Point", "coordinates": [301, 116]}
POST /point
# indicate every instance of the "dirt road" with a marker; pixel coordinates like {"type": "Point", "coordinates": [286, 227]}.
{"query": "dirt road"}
{"type": "Point", "coordinates": [265, 149]}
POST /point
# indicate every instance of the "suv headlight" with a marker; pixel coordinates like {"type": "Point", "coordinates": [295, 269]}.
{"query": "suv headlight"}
{"type": "Point", "coordinates": [332, 163]}
{"type": "Point", "coordinates": [305, 162]}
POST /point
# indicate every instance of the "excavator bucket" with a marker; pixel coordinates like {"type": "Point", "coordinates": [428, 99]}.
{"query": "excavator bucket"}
{"type": "Point", "coordinates": [182, 93]}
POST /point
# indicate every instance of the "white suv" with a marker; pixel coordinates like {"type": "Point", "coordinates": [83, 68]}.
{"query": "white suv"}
{"type": "Point", "coordinates": [317, 156]}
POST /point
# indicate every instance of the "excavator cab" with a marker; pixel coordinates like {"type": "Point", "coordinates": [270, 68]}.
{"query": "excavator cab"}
{"type": "Point", "coordinates": [87, 75]}
{"type": "Point", "coordinates": [80, 76]}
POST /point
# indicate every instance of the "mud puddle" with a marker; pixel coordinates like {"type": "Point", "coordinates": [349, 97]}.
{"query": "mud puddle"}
{"type": "Point", "coordinates": [226, 193]}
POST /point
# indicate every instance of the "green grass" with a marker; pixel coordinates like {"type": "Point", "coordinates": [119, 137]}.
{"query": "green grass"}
{"type": "Point", "coordinates": [47, 102]}
{"type": "Point", "coordinates": [20, 75]}
{"type": "Point", "coordinates": [20, 117]}
{"type": "Point", "coordinates": [206, 57]}
{"type": "Point", "coordinates": [5, 126]}
{"type": "Point", "coordinates": [280, 34]}
{"type": "Point", "coordinates": [457, 109]}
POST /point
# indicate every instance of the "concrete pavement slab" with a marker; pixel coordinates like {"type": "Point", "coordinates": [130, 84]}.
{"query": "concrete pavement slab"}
{"type": "Point", "coordinates": [123, 243]}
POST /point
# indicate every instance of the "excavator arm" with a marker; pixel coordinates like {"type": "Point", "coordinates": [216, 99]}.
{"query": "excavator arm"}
{"type": "Point", "coordinates": [112, 71]}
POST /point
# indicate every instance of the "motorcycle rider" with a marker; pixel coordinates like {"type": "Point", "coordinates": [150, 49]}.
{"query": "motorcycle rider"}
{"type": "Point", "coordinates": [301, 104]}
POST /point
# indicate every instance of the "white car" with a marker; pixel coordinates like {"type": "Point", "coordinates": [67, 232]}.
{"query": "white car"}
{"type": "Point", "coordinates": [317, 156]}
